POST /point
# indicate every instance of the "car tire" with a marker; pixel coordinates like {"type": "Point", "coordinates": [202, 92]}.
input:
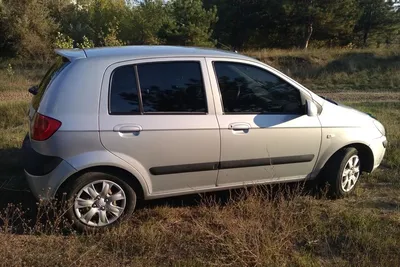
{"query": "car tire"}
{"type": "Point", "coordinates": [98, 201]}
{"type": "Point", "coordinates": [342, 172]}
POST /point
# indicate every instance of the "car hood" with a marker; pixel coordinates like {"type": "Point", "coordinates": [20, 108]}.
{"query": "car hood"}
{"type": "Point", "coordinates": [339, 115]}
{"type": "Point", "coordinates": [356, 111]}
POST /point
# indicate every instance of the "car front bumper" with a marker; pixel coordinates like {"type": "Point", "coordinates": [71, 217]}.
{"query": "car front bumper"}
{"type": "Point", "coordinates": [378, 147]}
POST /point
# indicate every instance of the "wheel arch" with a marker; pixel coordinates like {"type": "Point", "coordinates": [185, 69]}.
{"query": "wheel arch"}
{"type": "Point", "coordinates": [121, 173]}
{"type": "Point", "coordinates": [364, 152]}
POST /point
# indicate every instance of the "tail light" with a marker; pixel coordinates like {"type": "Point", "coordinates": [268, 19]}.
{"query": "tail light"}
{"type": "Point", "coordinates": [43, 127]}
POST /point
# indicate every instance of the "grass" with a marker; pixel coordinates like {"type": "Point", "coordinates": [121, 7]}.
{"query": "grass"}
{"type": "Point", "coordinates": [254, 228]}
{"type": "Point", "coordinates": [263, 226]}
{"type": "Point", "coordinates": [338, 69]}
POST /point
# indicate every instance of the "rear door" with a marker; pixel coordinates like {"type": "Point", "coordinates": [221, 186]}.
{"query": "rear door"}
{"type": "Point", "coordinates": [158, 115]}
{"type": "Point", "coordinates": [266, 134]}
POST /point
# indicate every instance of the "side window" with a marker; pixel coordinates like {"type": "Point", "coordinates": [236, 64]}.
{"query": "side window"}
{"type": "Point", "coordinates": [249, 89]}
{"type": "Point", "coordinates": [172, 87]}
{"type": "Point", "coordinates": [124, 94]}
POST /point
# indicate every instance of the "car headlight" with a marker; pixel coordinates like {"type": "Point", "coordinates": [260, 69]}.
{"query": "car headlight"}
{"type": "Point", "coordinates": [380, 127]}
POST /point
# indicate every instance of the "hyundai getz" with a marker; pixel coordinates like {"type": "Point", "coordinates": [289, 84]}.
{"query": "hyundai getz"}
{"type": "Point", "coordinates": [109, 126]}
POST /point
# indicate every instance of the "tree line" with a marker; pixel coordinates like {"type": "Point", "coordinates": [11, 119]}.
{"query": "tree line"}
{"type": "Point", "coordinates": [29, 28]}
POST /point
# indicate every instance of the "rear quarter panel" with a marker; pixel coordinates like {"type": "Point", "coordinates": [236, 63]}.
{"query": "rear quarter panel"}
{"type": "Point", "coordinates": [73, 96]}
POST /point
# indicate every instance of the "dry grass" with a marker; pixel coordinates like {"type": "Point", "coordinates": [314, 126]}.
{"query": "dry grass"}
{"type": "Point", "coordinates": [254, 228]}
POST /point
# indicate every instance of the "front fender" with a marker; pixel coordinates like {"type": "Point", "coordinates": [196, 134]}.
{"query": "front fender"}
{"type": "Point", "coordinates": [334, 139]}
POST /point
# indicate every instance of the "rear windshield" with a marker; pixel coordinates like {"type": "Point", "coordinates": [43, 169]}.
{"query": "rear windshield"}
{"type": "Point", "coordinates": [54, 70]}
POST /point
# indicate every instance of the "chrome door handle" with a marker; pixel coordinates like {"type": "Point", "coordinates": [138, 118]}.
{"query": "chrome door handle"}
{"type": "Point", "coordinates": [128, 128]}
{"type": "Point", "coordinates": [239, 126]}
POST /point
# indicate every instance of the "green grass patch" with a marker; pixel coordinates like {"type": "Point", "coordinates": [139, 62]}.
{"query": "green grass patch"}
{"type": "Point", "coordinates": [337, 69]}
{"type": "Point", "coordinates": [14, 114]}
{"type": "Point", "coordinates": [13, 128]}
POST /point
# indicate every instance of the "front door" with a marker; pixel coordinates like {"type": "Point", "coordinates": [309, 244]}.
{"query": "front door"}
{"type": "Point", "coordinates": [266, 134]}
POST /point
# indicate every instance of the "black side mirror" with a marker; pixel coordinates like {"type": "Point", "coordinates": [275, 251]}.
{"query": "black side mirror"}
{"type": "Point", "coordinates": [33, 90]}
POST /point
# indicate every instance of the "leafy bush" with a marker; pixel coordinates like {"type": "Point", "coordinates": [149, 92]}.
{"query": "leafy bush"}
{"type": "Point", "coordinates": [63, 41]}
{"type": "Point", "coordinates": [86, 43]}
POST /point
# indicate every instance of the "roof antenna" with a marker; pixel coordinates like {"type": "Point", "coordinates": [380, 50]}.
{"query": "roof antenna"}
{"type": "Point", "coordinates": [228, 47]}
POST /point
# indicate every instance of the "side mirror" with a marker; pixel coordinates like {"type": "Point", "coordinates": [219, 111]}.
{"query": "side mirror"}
{"type": "Point", "coordinates": [312, 109]}
{"type": "Point", "coordinates": [33, 90]}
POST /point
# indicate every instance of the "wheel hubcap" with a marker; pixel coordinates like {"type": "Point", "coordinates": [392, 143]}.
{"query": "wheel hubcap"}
{"type": "Point", "coordinates": [100, 203]}
{"type": "Point", "coordinates": [351, 173]}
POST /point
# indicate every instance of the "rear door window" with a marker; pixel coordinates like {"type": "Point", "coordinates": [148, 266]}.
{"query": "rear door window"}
{"type": "Point", "coordinates": [124, 94]}
{"type": "Point", "coordinates": [54, 70]}
{"type": "Point", "coordinates": [172, 87]}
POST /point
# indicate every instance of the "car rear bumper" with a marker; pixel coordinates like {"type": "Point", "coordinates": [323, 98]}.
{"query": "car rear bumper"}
{"type": "Point", "coordinates": [36, 163]}
{"type": "Point", "coordinates": [44, 173]}
{"type": "Point", "coordinates": [45, 187]}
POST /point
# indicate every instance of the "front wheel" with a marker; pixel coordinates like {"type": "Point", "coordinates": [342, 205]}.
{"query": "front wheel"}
{"type": "Point", "coordinates": [99, 200]}
{"type": "Point", "coordinates": [342, 172]}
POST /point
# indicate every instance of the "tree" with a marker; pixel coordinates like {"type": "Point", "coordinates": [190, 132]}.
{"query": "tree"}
{"type": "Point", "coordinates": [190, 23]}
{"type": "Point", "coordinates": [138, 28]}
{"type": "Point", "coordinates": [238, 20]}
{"type": "Point", "coordinates": [377, 16]}
{"type": "Point", "coordinates": [327, 18]}
{"type": "Point", "coordinates": [104, 18]}
{"type": "Point", "coordinates": [29, 28]}
{"type": "Point", "coordinates": [4, 38]}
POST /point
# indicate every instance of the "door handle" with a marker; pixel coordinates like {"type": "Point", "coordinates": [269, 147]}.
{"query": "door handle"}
{"type": "Point", "coordinates": [128, 128]}
{"type": "Point", "coordinates": [239, 126]}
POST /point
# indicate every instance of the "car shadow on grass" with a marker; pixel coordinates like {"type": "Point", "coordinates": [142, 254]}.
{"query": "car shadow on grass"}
{"type": "Point", "coordinates": [15, 197]}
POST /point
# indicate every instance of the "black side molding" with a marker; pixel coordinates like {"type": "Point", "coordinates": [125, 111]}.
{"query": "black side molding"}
{"type": "Point", "coordinates": [265, 161]}
{"type": "Point", "coordinates": [196, 167]}
{"type": "Point", "coordinates": [209, 166]}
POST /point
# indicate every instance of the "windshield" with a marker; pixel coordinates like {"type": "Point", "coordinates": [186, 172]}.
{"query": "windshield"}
{"type": "Point", "coordinates": [54, 70]}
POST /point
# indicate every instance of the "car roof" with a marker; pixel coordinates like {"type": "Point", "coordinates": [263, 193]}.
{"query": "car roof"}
{"type": "Point", "coordinates": [146, 51]}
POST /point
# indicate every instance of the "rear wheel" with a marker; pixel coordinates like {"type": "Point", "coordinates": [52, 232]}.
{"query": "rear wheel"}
{"type": "Point", "coordinates": [99, 200]}
{"type": "Point", "coordinates": [342, 172]}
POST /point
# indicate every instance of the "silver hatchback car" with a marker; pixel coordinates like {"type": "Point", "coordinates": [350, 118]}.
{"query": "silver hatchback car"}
{"type": "Point", "coordinates": [112, 125]}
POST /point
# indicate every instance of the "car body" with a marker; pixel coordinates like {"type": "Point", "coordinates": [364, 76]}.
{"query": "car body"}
{"type": "Point", "coordinates": [180, 120]}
